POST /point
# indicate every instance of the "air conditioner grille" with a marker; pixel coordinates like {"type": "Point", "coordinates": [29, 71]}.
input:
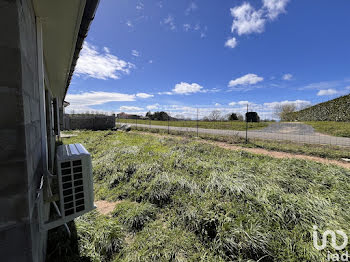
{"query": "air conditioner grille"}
{"type": "Point", "coordinates": [73, 187]}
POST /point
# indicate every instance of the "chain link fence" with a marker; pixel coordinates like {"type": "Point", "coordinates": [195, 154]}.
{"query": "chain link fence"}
{"type": "Point", "coordinates": [220, 122]}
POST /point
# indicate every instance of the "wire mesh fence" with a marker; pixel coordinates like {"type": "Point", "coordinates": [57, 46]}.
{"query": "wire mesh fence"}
{"type": "Point", "coordinates": [233, 122]}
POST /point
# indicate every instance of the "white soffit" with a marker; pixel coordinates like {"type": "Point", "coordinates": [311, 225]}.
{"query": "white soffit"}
{"type": "Point", "coordinates": [61, 21]}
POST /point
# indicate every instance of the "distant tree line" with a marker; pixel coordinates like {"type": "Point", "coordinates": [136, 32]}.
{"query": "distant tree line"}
{"type": "Point", "coordinates": [160, 116]}
{"type": "Point", "coordinates": [215, 115]}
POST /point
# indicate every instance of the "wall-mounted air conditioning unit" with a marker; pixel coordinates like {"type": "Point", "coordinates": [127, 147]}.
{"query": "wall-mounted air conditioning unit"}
{"type": "Point", "coordinates": [75, 180]}
{"type": "Point", "coordinates": [75, 184]}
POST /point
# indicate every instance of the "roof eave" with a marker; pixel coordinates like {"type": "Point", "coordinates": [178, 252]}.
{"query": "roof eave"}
{"type": "Point", "coordinates": [88, 17]}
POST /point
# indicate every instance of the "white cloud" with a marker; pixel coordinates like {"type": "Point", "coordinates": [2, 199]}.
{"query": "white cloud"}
{"type": "Point", "coordinates": [165, 93]}
{"type": "Point", "coordinates": [82, 102]}
{"type": "Point", "coordinates": [144, 95]}
{"type": "Point", "coordinates": [247, 20]}
{"type": "Point", "coordinates": [239, 103]}
{"type": "Point", "coordinates": [327, 92]}
{"type": "Point", "coordinates": [322, 85]}
{"type": "Point", "coordinates": [129, 23]}
{"type": "Point", "coordinates": [170, 22]}
{"type": "Point", "coordinates": [347, 88]}
{"type": "Point", "coordinates": [243, 103]}
{"type": "Point", "coordinates": [275, 7]}
{"type": "Point", "coordinates": [203, 35]}
{"type": "Point", "coordinates": [101, 65]}
{"type": "Point", "coordinates": [186, 88]}
{"type": "Point", "coordinates": [217, 104]}
{"type": "Point", "coordinates": [298, 103]}
{"type": "Point", "coordinates": [98, 98]}
{"type": "Point", "coordinates": [248, 79]}
{"type": "Point", "coordinates": [232, 42]}
{"type": "Point", "coordinates": [150, 61]}
{"type": "Point", "coordinates": [139, 6]}
{"type": "Point", "coordinates": [130, 108]}
{"type": "Point", "coordinates": [191, 8]}
{"type": "Point", "coordinates": [287, 77]}
{"type": "Point", "coordinates": [187, 27]}
{"type": "Point", "coordinates": [135, 53]}
{"type": "Point", "coordinates": [152, 107]}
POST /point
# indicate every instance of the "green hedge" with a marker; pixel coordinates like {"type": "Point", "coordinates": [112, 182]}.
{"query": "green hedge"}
{"type": "Point", "coordinates": [334, 110]}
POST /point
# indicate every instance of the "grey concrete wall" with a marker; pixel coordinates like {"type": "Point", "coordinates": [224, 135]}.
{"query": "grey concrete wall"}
{"type": "Point", "coordinates": [93, 122]}
{"type": "Point", "coordinates": [20, 134]}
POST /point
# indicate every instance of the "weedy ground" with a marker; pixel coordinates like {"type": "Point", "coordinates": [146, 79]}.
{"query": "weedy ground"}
{"type": "Point", "coordinates": [189, 201]}
{"type": "Point", "coordinates": [341, 129]}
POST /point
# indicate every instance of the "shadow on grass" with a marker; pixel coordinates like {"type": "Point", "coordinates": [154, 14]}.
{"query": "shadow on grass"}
{"type": "Point", "coordinates": [62, 247]}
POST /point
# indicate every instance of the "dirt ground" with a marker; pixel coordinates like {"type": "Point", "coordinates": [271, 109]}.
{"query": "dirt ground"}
{"type": "Point", "coordinates": [277, 154]}
{"type": "Point", "coordinates": [105, 207]}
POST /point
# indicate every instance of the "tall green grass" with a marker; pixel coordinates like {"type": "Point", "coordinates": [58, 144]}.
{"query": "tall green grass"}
{"type": "Point", "coordinates": [186, 201]}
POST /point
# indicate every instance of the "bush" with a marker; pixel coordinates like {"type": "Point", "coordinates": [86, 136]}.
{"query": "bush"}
{"type": "Point", "coordinates": [233, 117]}
{"type": "Point", "coordinates": [333, 110]}
{"type": "Point", "coordinates": [252, 117]}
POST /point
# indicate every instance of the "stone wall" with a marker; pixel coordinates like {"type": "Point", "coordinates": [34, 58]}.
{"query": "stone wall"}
{"type": "Point", "coordinates": [86, 121]}
{"type": "Point", "coordinates": [20, 144]}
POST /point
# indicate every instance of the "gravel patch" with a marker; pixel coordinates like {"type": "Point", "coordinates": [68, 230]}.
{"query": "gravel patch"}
{"type": "Point", "coordinates": [289, 128]}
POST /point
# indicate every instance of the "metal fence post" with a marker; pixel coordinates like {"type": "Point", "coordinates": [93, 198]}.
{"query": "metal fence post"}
{"type": "Point", "coordinates": [246, 127]}
{"type": "Point", "coordinates": [197, 122]}
{"type": "Point", "coordinates": [168, 124]}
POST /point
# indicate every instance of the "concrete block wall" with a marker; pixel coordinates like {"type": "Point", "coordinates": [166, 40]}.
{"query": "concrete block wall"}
{"type": "Point", "coordinates": [20, 135]}
{"type": "Point", "coordinates": [92, 122]}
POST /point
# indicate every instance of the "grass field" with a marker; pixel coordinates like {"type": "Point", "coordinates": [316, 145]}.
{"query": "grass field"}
{"type": "Point", "coordinates": [341, 129]}
{"type": "Point", "coordinates": [226, 125]}
{"type": "Point", "coordinates": [324, 151]}
{"type": "Point", "coordinates": [181, 200]}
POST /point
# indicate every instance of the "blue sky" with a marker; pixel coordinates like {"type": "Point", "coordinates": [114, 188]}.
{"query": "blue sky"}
{"type": "Point", "coordinates": [179, 55]}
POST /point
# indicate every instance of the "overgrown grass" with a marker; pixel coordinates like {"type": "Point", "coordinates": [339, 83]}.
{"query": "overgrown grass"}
{"type": "Point", "coordinates": [324, 151]}
{"type": "Point", "coordinates": [134, 215]}
{"type": "Point", "coordinates": [226, 125]}
{"type": "Point", "coordinates": [341, 129]}
{"type": "Point", "coordinates": [186, 201]}
{"type": "Point", "coordinates": [94, 237]}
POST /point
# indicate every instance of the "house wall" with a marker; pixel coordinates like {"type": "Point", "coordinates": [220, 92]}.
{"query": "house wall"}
{"type": "Point", "coordinates": [21, 155]}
